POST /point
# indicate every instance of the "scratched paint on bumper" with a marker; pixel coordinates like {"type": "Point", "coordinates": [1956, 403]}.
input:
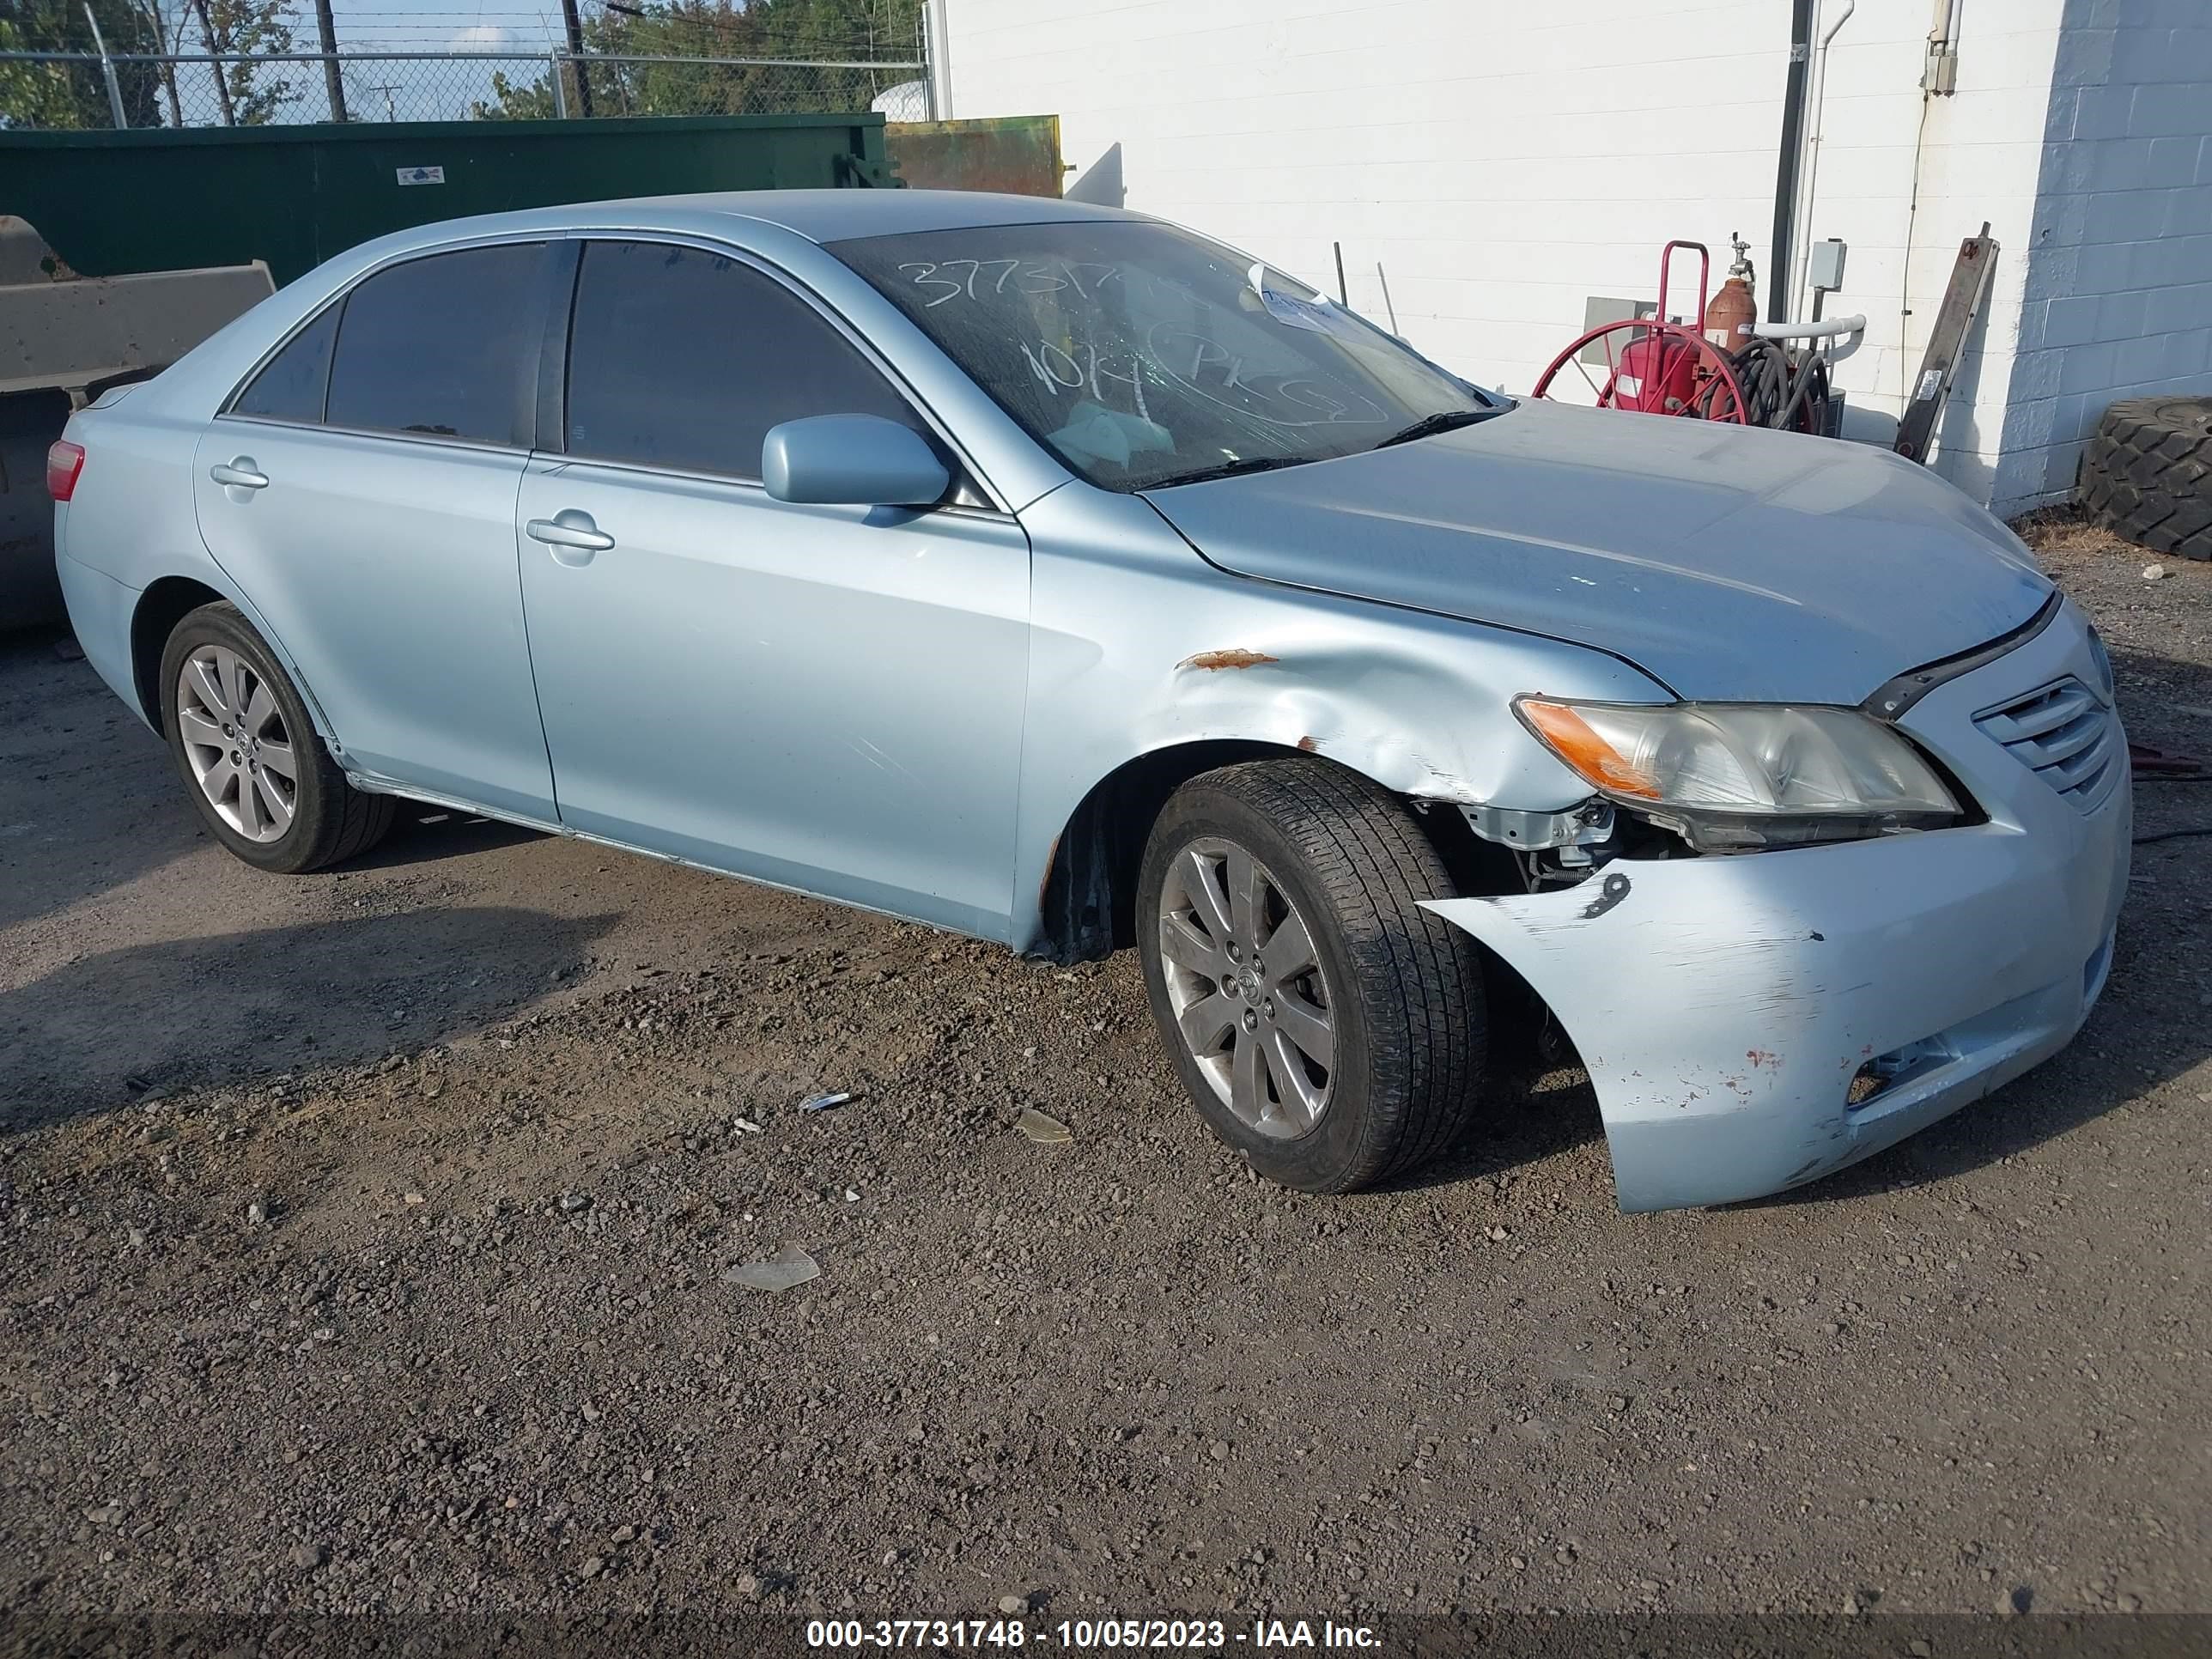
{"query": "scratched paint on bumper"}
{"type": "Point", "coordinates": [1723, 1004]}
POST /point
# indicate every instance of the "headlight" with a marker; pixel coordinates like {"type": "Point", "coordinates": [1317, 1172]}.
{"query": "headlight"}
{"type": "Point", "coordinates": [1731, 776]}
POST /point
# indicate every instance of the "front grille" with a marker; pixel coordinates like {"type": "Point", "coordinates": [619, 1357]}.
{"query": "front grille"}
{"type": "Point", "coordinates": [2063, 734]}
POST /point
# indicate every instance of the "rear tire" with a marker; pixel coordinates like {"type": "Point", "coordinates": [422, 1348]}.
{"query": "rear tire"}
{"type": "Point", "coordinates": [2147, 474]}
{"type": "Point", "coordinates": [235, 724]}
{"type": "Point", "coordinates": [1393, 994]}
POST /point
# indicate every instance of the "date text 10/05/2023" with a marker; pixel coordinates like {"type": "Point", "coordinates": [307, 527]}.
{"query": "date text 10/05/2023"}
{"type": "Point", "coordinates": [1194, 1635]}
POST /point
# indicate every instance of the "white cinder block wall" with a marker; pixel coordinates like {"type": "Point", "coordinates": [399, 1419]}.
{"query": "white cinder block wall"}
{"type": "Point", "coordinates": [2118, 293]}
{"type": "Point", "coordinates": [1903, 178]}
{"type": "Point", "coordinates": [1503, 161]}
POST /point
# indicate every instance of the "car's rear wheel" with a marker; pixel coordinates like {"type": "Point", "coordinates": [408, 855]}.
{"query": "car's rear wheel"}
{"type": "Point", "coordinates": [255, 767]}
{"type": "Point", "coordinates": [1326, 1027]}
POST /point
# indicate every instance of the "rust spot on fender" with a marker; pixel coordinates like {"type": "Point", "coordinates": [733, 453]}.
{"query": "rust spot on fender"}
{"type": "Point", "coordinates": [1214, 661]}
{"type": "Point", "coordinates": [1308, 744]}
{"type": "Point", "coordinates": [1044, 881]}
{"type": "Point", "coordinates": [1761, 1057]}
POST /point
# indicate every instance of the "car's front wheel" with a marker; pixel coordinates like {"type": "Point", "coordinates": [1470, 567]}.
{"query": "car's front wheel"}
{"type": "Point", "coordinates": [1326, 1027]}
{"type": "Point", "coordinates": [250, 756]}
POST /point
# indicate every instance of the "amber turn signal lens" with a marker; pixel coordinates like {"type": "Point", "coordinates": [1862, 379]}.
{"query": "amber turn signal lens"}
{"type": "Point", "coordinates": [1574, 742]}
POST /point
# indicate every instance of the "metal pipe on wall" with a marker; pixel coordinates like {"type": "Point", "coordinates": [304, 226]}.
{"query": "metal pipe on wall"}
{"type": "Point", "coordinates": [937, 48]}
{"type": "Point", "coordinates": [1785, 169]}
{"type": "Point", "coordinates": [1808, 179]}
{"type": "Point", "coordinates": [1940, 79]}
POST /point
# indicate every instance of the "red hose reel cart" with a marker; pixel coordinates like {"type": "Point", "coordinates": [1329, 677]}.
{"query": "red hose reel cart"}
{"type": "Point", "coordinates": [1656, 367]}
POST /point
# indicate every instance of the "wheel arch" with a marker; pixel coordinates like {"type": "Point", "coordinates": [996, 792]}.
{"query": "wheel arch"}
{"type": "Point", "coordinates": [1087, 900]}
{"type": "Point", "coordinates": [168, 601]}
{"type": "Point", "coordinates": [163, 605]}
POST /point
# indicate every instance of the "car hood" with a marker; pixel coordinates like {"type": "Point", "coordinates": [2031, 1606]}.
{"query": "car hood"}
{"type": "Point", "coordinates": [1727, 563]}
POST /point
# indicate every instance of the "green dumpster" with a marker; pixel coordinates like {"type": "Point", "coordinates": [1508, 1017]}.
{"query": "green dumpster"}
{"type": "Point", "coordinates": [113, 202]}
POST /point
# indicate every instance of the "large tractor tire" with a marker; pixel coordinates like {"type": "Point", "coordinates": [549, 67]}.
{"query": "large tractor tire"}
{"type": "Point", "coordinates": [2147, 474]}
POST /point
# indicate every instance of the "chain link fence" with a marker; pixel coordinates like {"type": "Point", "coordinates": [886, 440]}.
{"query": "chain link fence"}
{"type": "Point", "coordinates": [51, 90]}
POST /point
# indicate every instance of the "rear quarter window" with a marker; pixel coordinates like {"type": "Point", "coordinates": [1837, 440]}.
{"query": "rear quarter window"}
{"type": "Point", "coordinates": [443, 346]}
{"type": "Point", "coordinates": [292, 385]}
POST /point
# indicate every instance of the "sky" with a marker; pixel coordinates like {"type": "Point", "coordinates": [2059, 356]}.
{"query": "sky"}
{"type": "Point", "coordinates": [433, 25]}
{"type": "Point", "coordinates": [428, 92]}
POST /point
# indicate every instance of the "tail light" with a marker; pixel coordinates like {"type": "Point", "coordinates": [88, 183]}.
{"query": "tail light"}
{"type": "Point", "coordinates": [64, 462]}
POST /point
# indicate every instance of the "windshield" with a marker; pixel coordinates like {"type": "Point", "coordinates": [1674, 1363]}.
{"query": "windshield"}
{"type": "Point", "coordinates": [1143, 355]}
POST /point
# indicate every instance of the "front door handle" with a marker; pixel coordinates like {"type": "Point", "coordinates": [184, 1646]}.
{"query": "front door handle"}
{"type": "Point", "coordinates": [239, 474]}
{"type": "Point", "coordinates": [568, 532]}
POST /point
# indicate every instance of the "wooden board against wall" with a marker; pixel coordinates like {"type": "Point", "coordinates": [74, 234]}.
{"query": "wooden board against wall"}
{"type": "Point", "coordinates": [1016, 154]}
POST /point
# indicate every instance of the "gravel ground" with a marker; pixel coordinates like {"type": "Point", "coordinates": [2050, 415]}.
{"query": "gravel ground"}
{"type": "Point", "coordinates": [367, 1235]}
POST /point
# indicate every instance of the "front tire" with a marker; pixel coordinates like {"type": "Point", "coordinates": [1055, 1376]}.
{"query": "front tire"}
{"type": "Point", "coordinates": [250, 759]}
{"type": "Point", "coordinates": [1326, 1027]}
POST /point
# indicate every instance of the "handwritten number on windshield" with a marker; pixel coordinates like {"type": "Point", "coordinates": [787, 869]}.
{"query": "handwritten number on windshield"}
{"type": "Point", "coordinates": [1033, 279]}
{"type": "Point", "coordinates": [1046, 360]}
{"type": "Point", "coordinates": [945, 288]}
{"type": "Point", "coordinates": [925, 275]}
{"type": "Point", "coordinates": [1193, 360]}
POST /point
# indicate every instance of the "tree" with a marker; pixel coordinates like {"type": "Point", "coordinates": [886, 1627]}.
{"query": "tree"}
{"type": "Point", "coordinates": [788, 30]}
{"type": "Point", "coordinates": [168, 18]}
{"type": "Point", "coordinates": [71, 95]}
{"type": "Point", "coordinates": [513, 102]}
{"type": "Point", "coordinates": [248, 95]}
{"type": "Point", "coordinates": [75, 94]}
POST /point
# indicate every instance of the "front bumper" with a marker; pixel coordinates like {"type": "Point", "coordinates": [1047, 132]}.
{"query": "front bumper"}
{"type": "Point", "coordinates": [1723, 1006]}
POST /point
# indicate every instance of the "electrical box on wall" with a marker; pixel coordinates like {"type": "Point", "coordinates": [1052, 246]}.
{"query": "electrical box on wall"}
{"type": "Point", "coordinates": [1941, 74]}
{"type": "Point", "coordinates": [1824, 268]}
{"type": "Point", "coordinates": [1597, 309]}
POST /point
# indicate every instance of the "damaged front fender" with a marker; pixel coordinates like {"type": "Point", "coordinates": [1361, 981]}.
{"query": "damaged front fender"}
{"type": "Point", "coordinates": [1139, 648]}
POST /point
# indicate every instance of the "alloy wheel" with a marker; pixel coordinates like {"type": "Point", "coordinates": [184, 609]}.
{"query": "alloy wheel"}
{"type": "Point", "coordinates": [1247, 987]}
{"type": "Point", "coordinates": [236, 742]}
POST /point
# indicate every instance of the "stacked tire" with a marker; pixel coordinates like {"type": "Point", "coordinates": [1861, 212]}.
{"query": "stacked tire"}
{"type": "Point", "coordinates": [2147, 474]}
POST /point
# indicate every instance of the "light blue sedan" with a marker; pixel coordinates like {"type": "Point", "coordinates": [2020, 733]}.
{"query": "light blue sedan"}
{"type": "Point", "coordinates": [1060, 577]}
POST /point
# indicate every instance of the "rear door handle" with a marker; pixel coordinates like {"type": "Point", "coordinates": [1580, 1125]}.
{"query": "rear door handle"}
{"type": "Point", "coordinates": [571, 529]}
{"type": "Point", "coordinates": [239, 474]}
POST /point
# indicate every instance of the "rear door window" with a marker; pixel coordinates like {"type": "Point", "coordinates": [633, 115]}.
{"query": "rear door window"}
{"type": "Point", "coordinates": [443, 346]}
{"type": "Point", "coordinates": [681, 359]}
{"type": "Point", "coordinates": [292, 385]}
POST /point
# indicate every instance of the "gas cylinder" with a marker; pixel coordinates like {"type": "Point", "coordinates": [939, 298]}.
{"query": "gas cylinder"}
{"type": "Point", "coordinates": [1729, 317]}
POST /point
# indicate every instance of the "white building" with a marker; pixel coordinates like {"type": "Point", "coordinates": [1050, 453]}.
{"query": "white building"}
{"type": "Point", "coordinates": [1504, 162]}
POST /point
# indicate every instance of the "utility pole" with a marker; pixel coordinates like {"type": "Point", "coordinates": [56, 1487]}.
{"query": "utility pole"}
{"type": "Point", "coordinates": [333, 82]}
{"type": "Point", "coordinates": [576, 56]}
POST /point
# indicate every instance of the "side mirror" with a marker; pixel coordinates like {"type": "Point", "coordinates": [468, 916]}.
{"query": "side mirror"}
{"type": "Point", "coordinates": [852, 460]}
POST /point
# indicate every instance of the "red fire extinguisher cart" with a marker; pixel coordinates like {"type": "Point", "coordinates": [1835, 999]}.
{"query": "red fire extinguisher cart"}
{"type": "Point", "coordinates": [1656, 367]}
